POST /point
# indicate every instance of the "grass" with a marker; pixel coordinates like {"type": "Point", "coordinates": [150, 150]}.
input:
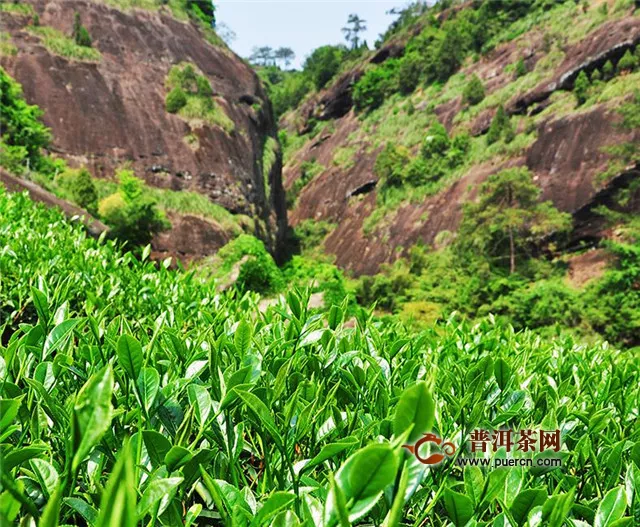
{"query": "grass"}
{"type": "Point", "coordinates": [345, 157]}
{"type": "Point", "coordinates": [199, 110]}
{"type": "Point", "coordinates": [64, 46]}
{"type": "Point", "coordinates": [269, 157]}
{"type": "Point", "coordinates": [7, 49]}
{"type": "Point", "coordinates": [17, 8]}
{"type": "Point", "coordinates": [182, 202]}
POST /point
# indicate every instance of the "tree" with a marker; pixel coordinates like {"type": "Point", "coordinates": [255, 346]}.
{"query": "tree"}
{"type": "Point", "coordinates": [474, 91]}
{"type": "Point", "coordinates": [521, 68]}
{"type": "Point", "coordinates": [226, 33]}
{"type": "Point", "coordinates": [80, 33]}
{"type": "Point", "coordinates": [500, 127]}
{"type": "Point", "coordinates": [628, 62]}
{"type": "Point", "coordinates": [355, 26]}
{"type": "Point", "coordinates": [263, 56]}
{"type": "Point", "coordinates": [607, 69]}
{"type": "Point", "coordinates": [285, 55]}
{"type": "Point", "coordinates": [508, 216]}
{"type": "Point", "coordinates": [581, 88]}
{"type": "Point", "coordinates": [323, 63]}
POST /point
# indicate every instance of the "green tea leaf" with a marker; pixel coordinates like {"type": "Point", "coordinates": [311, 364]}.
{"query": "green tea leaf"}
{"type": "Point", "coordinates": [459, 507]}
{"type": "Point", "coordinates": [502, 373]}
{"type": "Point", "coordinates": [611, 507]}
{"type": "Point", "coordinates": [148, 386]}
{"type": "Point", "coordinates": [92, 414]}
{"type": "Point", "coordinates": [118, 503]}
{"type": "Point", "coordinates": [525, 501]}
{"type": "Point", "coordinates": [416, 407]}
{"type": "Point", "coordinates": [130, 356]}
{"type": "Point", "coordinates": [155, 491]}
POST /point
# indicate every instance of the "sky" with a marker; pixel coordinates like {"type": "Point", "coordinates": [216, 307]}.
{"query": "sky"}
{"type": "Point", "coordinates": [302, 25]}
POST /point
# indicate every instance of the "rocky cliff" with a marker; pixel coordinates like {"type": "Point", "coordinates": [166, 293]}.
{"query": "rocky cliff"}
{"type": "Point", "coordinates": [568, 148]}
{"type": "Point", "coordinates": [109, 109]}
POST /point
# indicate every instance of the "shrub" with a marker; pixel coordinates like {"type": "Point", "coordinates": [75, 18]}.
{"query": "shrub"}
{"type": "Point", "coordinates": [35, 21]}
{"type": "Point", "coordinates": [474, 91]}
{"type": "Point", "coordinates": [596, 75]}
{"type": "Point", "coordinates": [377, 83]}
{"type": "Point", "coordinates": [79, 186]}
{"type": "Point", "coordinates": [204, 86]}
{"type": "Point", "coordinates": [323, 63]}
{"type": "Point", "coordinates": [581, 88]}
{"type": "Point", "coordinates": [409, 72]}
{"type": "Point", "coordinates": [500, 128]}
{"type": "Point", "coordinates": [132, 216]}
{"type": "Point", "coordinates": [436, 143]}
{"type": "Point", "coordinates": [80, 33]}
{"type": "Point", "coordinates": [390, 165]}
{"type": "Point", "coordinates": [628, 62]}
{"type": "Point", "coordinates": [23, 134]}
{"type": "Point", "coordinates": [607, 69]}
{"type": "Point", "coordinates": [176, 100]}
{"type": "Point", "coordinates": [255, 268]}
{"type": "Point", "coordinates": [521, 68]}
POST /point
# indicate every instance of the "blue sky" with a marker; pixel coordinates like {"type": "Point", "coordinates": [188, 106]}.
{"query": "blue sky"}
{"type": "Point", "coordinates": [302, 25]}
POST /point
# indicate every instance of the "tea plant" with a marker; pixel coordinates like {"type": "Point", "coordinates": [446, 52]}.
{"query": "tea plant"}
{"type": "Point", "coordinates": [132, 394]}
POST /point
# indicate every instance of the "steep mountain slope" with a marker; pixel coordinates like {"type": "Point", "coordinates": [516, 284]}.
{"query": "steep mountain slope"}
{"type": "Point", "coordinates": [106, 107]}
{"type": "Point", "coordinates": [530, 70]}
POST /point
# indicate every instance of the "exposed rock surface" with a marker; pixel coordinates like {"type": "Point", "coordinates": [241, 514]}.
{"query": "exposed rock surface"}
{"type": "Point", "coordinates": [105, 113]}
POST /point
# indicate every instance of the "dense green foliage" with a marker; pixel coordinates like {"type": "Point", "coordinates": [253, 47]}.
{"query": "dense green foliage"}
{"type": "Point", "coordinates": [132, 215]}
{"type": "Point", "coordinates": [79, 187]}
{"type": "Point", "coordinates": [473, 91]}
{"type": "Point", "coordinates": [133, 394]}
{"type": "Point", "coordinates": [80, 33]}
{"type": "Point", "coordinates": [23, 134]}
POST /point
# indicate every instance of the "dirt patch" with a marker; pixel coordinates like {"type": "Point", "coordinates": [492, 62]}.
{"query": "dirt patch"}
{"type": "Point", "coordinates": [587, 266]}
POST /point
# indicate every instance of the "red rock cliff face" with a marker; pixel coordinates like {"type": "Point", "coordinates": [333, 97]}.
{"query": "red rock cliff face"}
{"type": "Point", "coordinates": [112, 111]}
{"type": "Point", "coordinates": [568, 155]}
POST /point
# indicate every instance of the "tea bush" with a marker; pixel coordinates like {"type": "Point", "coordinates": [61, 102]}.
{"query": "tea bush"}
{"type": "Point", "coordinates": [132, 394]}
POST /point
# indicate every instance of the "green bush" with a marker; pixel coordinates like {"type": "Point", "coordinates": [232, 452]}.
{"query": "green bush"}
{"type": "Point", "coordinates": [132, 216]}
{"type": "Point", "coordinates": [176, 100]}
{"type": "Point", "coordinates": [436, 143]}
{"type": "Point", "coordinates": [78, 185]}
{"type": "Point", "coordinates": [375, 85]}
{"type": "Point", "coordinates": [581, 88]}
{"type": "Point", "coordinates": [204, 86]}
{"type": "Point", "coordinates": [409, 72]}
{"type": "Point", "coordinates": [608, 70]}
{"type": "Point", "coordinates": [474, 91]}
{"type": "Point", "coordinates": [323, 63]}
{"type": "Point", "coordinates": [521, 68]}
{"type": "Point", "coordinates": [256, 270]}
{"type": "Point", "coordinates": [628, 62]}
{"type": "Point", "coordinates": [596, 75]}
{"type": "Point", "coordinates": [390, 165]}
{"type": "Point", "coordinates": [80, 33]}
{"type": "Point", "coordinates": [23, 134]}
{"type": "Point", "coordinates": [500, 128]}
{"type": "Point", "coordinates": [308, 171]}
